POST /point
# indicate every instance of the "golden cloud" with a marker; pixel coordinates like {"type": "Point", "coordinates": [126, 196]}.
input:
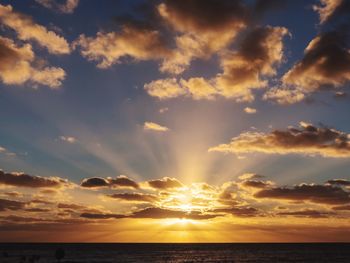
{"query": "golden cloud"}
{"type": "Point", "coordinates": [27, 29]}
{"type": "Point", "coordinates": [18, 66]}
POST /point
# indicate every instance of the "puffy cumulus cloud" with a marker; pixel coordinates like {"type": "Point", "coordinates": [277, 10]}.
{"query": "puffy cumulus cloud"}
{"type": "Point", "coordinates": [257, 57]}
{"type": "Point", "coordinates": [250, 110]}
{"type": "Point", "coordinates": [18, 66]}
{"type": "Point", "coordinates": [308, 140]}
{"type": "Point", "coordinates": [164, 88]}
{"type": "Point", "coordinates": [326, 63]}
{"type": "Point", "coordinates": [284, 96]}
{"type": "Point", "coordinates": [188, 47]}
{"type": "Point", "coordinates": [120, 181]}
{"type": "Point", "coordinates": [310, 213]}
{"type": "Point", "coordinates": [32, 181]}
{"type": "Point", "coordinates": [200, 88]}
{"type": "Point", "coordinates": [321, 194]}
{"type": "Point", "coordinates": [203, 15]}
{"type": "Point", "coordinates": [259, 53]}
{"type": "Point", "coordinates": [67, 8]}
{"type": "Point", "coordinates": [27, 29]}
{"type": "Point", "coordinates": [135, 197]}
{"type": "Point", "coordinates": [165, 183]}
{"type": "Point", "coordinates": [11, 205]}
{"type": "Point", "coordinates": [152, 126]}
{"type": "Point", "coordinates": [328, 9]}
{"type": "Point", "coordinates": [109, 48]}
{"type": "Point", "coordinates": [206, 26]}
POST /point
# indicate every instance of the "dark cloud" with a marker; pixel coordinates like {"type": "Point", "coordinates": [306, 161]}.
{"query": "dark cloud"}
{"type": "Point", "coordinates": [322, 194]}
{"type": "Point", "coordinates": [307, 213]}
{"type": "Point", "coordinates": [94, 182]}
{"type": "Point", "coordinates": [203, 15]}
{"type": "Point", "coordinates": [255, 184]}
{"type": "Point", "coordinates": [123, 181]}
{"type": "Point", "coordinates": [120, 181]}
{"type": "Point", "coordinates": [135, 197]}
{"type": "Point", "coordinates": [309, 140]}
{"type": "Point", "coordinates": [240, 211]}
{"type": "Point", "coordinates": [339, 182]}
{"type": "Point", "coordinates": [342, 208]}
{"type": "Point", "coordinates": [326, 63]}
{"type": "Point", "coordinates": [11, 205]}
{"type": "Point", "coordinates": [37, 210]}
{"type": "Point", "coordinates": [101, 216]}
{"type": "Point", "coordinates": [26, 180]}
{"type": "Point", "coordinates": [70, 206]}
{"type": "Point", "coordinates": [165, 183]}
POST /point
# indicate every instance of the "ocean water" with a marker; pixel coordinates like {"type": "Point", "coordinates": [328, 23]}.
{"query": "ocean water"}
{"type": "Point", "coordinates": [103, 253]}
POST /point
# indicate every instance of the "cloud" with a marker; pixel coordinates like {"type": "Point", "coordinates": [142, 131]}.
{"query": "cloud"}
{"type": "Point", "coordinates": [321, 194]}
{"type": "Point", "coordinates": [68, 139]}
{"type": "Point", "coordinates": [206, 26]}
{"type": "Point", "coordinates": [70, 206]}
{"type": "Point", "coordinates": [152, 126]}
{"type": "Point", "coordinates": [17, 66]}
{"type": "Point", "coordinates": [118, 182]}
{"type": "Point", "coordinates": [109, 48]}
{"type": "Point", "coordinates": [307, 140]}
{"type": "Point", "coordinates": [284, 96]}
{"type": "Point", "coordinates": [250, 110]}
{"type": "Point", "coordinates": [10, 205]}
{"type": "Point", "coordinates": [310, 213]}
{"type": "Point", "coordinates": [326, 63]}
{"type": "Point", "coordinates": [32, 181]}
{"type": "Point", "coordinates": [255, 184]}
{"type": "Point", "coordinates": [159, 213]}
{"type": "Point", "coordinates": [67, 8]}
{"type": "Point", "coordinates": [153, 213]}
{"type": "Point", "coordinates": [343, 182]}
{"type": "Point", "coordinates": [328, 9]}
{"type": "Point", "coordinates": [101, 216]}
{"type": "Point", "coordinates": [164, 88]}
{"type": "Point", "coordinates": [27, 29]}
{"type": "Point", "coordinates": [342, 208]}
{"type": "Point", "coordinates": [242, 211]}
{"type": "Point", "coordinates": [135, 197]}
{"type": "Point", "coordinates": [3, 150]}
{"type": "Point", "coordinates": [165, 183]}
{"type": "Point", "coordinates": [94, 182]}
{"type": "Point", "coordinates": [123, 181]}
{"type": "Point", "coordinates": [259, 53]}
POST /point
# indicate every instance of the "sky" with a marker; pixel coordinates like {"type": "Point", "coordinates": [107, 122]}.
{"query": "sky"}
{"type": "Point", "coordinates": [174, 121]}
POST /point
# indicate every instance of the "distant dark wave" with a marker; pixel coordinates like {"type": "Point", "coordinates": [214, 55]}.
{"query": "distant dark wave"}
{"type": "Point", "coordinates": [174, 252]}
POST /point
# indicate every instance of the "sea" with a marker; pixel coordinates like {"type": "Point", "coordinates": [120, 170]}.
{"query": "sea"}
{"type": "Point", "coordinates": [121, 252]}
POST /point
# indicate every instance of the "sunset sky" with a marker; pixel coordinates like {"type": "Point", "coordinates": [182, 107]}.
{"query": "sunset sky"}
{"type": "Point", "coordinates": [174, 121]}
